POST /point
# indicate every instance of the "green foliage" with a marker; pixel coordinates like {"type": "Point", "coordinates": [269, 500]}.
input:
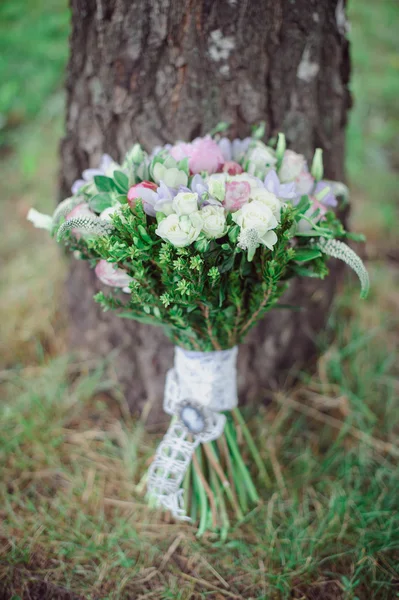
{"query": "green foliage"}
{"type": "Point", "coordinates": [208, 295]}
{"type": "Point", "coordinates": [205, 296]}
{"type": "Point", "coordinates": [33, 53]}
{"type": "Point", "coordinates": [373, 130]}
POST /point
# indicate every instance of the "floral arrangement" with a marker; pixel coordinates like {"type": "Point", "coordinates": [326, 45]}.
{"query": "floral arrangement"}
{"type": "Point", "coordinates": [202, 239]}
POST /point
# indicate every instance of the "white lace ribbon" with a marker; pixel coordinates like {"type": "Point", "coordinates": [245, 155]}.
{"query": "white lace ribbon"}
{"type": "Point", "coordinates": [197, 389]}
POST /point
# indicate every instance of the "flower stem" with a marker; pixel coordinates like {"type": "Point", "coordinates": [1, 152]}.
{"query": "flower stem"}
{"type": "Point", "coordinates": [240, 463]}
{"type": "Point", "coordinates": [214, 341]}
{"type": "Point", "coordinates": [214, 462]}
{"type": "Point", "coordinates": [252, 447]}
{"type": "Point", "coordinates": [206, 487]}
{"type": "Point", "coordinates": [201, 497]}
{"type": "Point", "coordinates": [255, 314]}
{"type": "Point", "coordinates": [225, 525]}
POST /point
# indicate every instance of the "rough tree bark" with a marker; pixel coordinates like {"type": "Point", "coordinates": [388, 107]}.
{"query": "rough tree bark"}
{"type": "Point", "coordinates": [155, 71]}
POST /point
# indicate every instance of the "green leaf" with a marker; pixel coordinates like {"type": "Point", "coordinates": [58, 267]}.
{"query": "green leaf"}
{"type": "Point", "coordinates": [306, 254]}
{"type": "Point", "coordinates": [183, 165]}
{"type": "Point", "coordinates": [103, 183]}
{"type": "Point", "coordinates": [229, 312]}
{"type": "Point", "coordinates": [191, 308]}
{"type": "Point", "coordinates": [219, 128]}
{"type": "Point", "coordinates": [227, 264]}
{"type": "Point", "coordinates": [356, 237]}
{"type": "Point", "coordinates": [202, 244]}
{"type": "Point", "coordinates": [233, 233]}
{"type": "Point", "coordinates": [258, 131]}
{"type": "Point", "coordinates": [310, 234]}
{"type": "Point", "coordinates": [294, 307]}
{"type": "Point", "coordinates": [302, 206]}
{"type": "Point", "coordinates": [121, 182]}
{"type": "Point", "coordinates": [140, 318]}
{"type": "Point", "coordinates": [144, 234]}
{"type": "Point", "coordinates": [100, 202]}
{"type": "Point", "coordinates": [304, 272]}
{"type": "Point", "coordinates": [121, 198]}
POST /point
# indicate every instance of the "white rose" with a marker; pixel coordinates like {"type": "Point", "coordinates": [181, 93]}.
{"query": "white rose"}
{"type": "Point", "coordinates": [185, 203]}
{"type": "Point", "coordinates": [268, 199]}
{"type": "Point", "coordinates": [180, 231]}
{"type": "Point", "coordinates": [257, 217]}
{"type": "Point", "coordinates": [214, 221]}
{"type": "Point", "coordinates": [261, 158]}
{"type": "Point", "coordinates": [292, 166]}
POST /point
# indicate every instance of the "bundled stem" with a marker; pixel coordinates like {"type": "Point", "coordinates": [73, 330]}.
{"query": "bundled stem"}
{"type": "Point", "coordinates": [219, 482]}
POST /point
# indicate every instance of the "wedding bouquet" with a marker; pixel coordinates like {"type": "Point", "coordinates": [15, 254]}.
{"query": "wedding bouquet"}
{"type": "Point", "coordinates": [202, 239]}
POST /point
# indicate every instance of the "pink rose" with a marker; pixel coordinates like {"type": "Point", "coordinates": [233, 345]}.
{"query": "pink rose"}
{"type": "Point", "coordinates": [181, 151]}
{"type": "Point", "coordinates": [81, 210]}
{"type": "Point", "coordinates": [232, 168]}
{"type": "Point", "coordinates": [237, 194]}
{"type": "Point", "coordinates": [203, 154]}
{"type": "Point", "coordinates": [111, 275]}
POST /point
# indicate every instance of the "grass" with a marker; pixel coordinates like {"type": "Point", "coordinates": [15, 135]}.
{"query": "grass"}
{"type": "Point", "coordinates": [74, 522]}
{"type": "Point", "coordinates": [74, 515]}
{"type": "Point", "coordinates": [33, 53]}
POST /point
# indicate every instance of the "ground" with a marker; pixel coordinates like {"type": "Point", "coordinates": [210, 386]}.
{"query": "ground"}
{"type": "Point", "coordinates": [74, 523]}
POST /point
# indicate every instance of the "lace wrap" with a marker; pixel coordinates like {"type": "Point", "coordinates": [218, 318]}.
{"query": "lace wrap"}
{"type": "Point", "coordinates": [197, 389]}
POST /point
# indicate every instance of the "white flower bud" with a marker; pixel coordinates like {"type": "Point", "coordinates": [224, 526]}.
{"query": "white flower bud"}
{"type": "Point", "coordinates": [172, 177]}
{"type": "Point", "coordinates": [317, 165]}
{"type": "Point", "coordinates": [281, 146]}
{"type": "Point", "coordinates": [217, 186]}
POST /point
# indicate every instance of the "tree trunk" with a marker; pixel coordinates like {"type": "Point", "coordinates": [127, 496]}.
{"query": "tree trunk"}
{"type": "Point", "coordinates": [155, 71]}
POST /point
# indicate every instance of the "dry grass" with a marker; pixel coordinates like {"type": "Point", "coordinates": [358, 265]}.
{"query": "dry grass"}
{"type": "Point", "coordinates": [75, 520]}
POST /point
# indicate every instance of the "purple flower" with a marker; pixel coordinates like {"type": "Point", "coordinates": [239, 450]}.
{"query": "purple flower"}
{"type": "Point", "coordinates": [88, 175]}
{"type": "Point", "coordinates": [165, 195]}
{"type": "Point", "coordinates": [234, 150]}
{"type": "Point", "coordinates": [281, 190]}
{"type": "Point", "coordinates": [198, 185]}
